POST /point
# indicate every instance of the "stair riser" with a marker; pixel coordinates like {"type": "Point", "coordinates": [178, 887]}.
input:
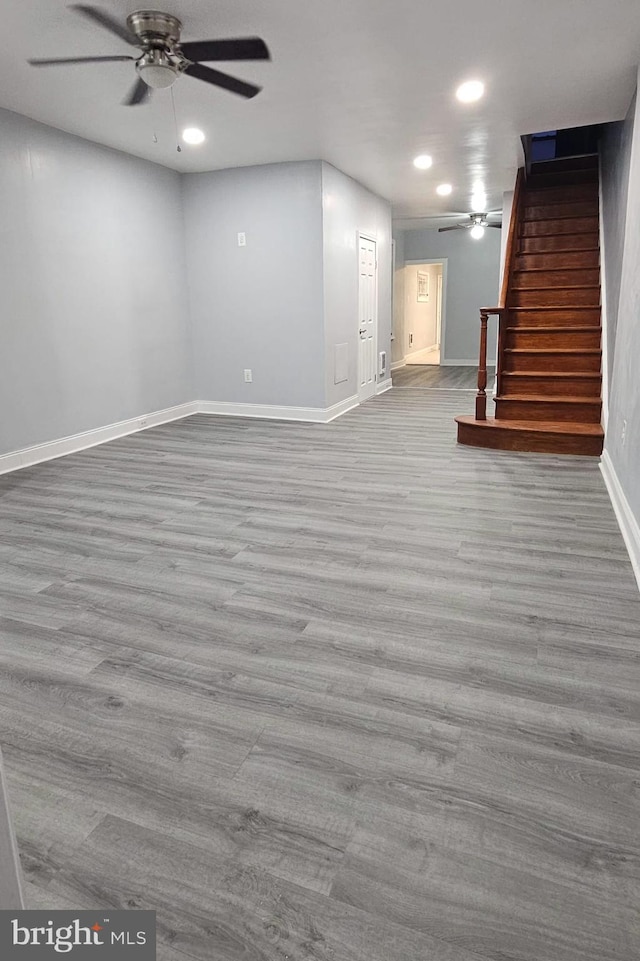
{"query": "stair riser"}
{"type": "Point", "coordinates": [569, 179]}
{"type": "Point", "coordinates": [574, 208]}
{"type": "Point", "coordinates": [568, 225]}
{"type": "Point", "coordinates": [548, 385]}
{"type": "Point", "coordinates": [567, 194]}
{"type": "Point", "coordinates": [562, 317]}
{"type": "Point", "coordinates": [528, 441]}
{"type": "Point", "coordinates": [572, 340]}
{"type": "Point", "coordinates": [557, 260]}
{"type": "Point", "coordinates": [561, 297]}
{"type": "Point", "coordinates": [560, 363]}
{"type": "Point", "coordinates": [578, 241]}
{"type": "Point", "coordinates": [584, 413]}
{"type": "Point", "coordinates": [556, 278]}
{"type": "Point", "coordinates": [569, 165]}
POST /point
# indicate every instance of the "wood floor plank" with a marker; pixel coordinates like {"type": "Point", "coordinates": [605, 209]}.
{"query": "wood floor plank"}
{"type": "Point", "coordinates": [342, 692]}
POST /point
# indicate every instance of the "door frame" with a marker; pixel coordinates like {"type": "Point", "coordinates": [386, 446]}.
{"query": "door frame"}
{"type": "Point", "coordinates": [364, 235]}
{"type": "Point", "coordinates": [443, 306]}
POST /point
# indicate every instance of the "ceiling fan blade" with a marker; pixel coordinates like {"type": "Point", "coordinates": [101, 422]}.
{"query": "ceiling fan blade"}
{"type": "Point", "coordinates": [455, 227]}
{"type": "Point", "coordinates": [499, 226]}
{"type": "Point", "coordinates": [107, 21]}
{"type": "Point", "coordinates": [138, 93]}
{"type": "Point", "coordinates": [241, 48]}
{"type": "Point", "coordinates": [222, 80]}
{"type": "Point", "coordinates": [63, 60]}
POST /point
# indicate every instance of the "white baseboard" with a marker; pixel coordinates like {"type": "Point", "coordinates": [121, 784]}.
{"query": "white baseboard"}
{"type": "Point", "coordinates": [447, 362]}
{"type": "Point", "coordinates": [397, 364]}
{"type": "Point", "coordinates": [627, 521]}
{"type": "Point", "coordinates": [313, 415]}
{"type": "Point", "coordinates": [384, 385]}
{"type": "Point", "coordinates": [90, 438]}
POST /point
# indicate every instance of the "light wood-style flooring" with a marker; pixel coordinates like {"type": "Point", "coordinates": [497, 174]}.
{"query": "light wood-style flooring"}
{"type": "Point", "coordinates": [427, 376]}
{"type": "Point", "coordinates": [326, 693]}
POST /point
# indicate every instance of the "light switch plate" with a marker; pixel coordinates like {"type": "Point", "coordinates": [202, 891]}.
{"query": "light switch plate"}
{"type": "Point", "coordinates": [242, 240]}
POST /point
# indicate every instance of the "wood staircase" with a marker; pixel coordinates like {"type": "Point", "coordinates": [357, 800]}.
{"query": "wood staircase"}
{"type": "Point", "coordinates": [549, 353]}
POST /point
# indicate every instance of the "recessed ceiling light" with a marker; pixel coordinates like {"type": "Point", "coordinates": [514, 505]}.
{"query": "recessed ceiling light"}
{"type": "Point", "coordinates": [470, 91]}
{"type": "Point", "coordinates": [193, 136]}
{"type": "Point", "coordinates": [444, 190]}
{"type": "Point", "coordinates": [423, 162]}
{"type": "Point", "coordinates": [477, 232]}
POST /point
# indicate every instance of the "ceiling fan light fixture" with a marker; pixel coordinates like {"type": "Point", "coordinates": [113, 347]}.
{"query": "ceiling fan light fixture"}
{"type": "Point", "coordinates": [423, 161]}
{"type": "Point", "coordinates": [156, 69]}
{"type": "Point", "coordinates": [477, 232]}
{"type": "Point", "coordinates": [470, 91]}
{"type": "Point", "coordinates": [193, 136]}
{"type": "Point", "coordinates": [443, 190]}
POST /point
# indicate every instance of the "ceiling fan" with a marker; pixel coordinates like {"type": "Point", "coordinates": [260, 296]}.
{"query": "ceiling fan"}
{"type": "Point", "coordinates": [163, 57]}
{"type": "Point", "coordinates": [476, 222]}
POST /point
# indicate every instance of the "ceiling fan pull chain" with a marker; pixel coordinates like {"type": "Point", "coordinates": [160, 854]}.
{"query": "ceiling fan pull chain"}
{"type": "Point", "coordinates": [175, 121]}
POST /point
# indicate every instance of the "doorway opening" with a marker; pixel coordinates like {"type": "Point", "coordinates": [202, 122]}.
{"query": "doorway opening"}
{"type": "Point", "coordinates": [423, 313]}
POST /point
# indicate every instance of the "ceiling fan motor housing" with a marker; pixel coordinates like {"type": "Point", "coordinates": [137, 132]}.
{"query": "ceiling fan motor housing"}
{"type": "Point", "coordinates": [154, 28]}
{"type": "Point", "coordinates": [160, 64]}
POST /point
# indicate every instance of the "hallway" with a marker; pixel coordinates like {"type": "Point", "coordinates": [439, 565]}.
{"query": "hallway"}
{"type": "Point", "coordinates": [454, 378]}
{"type": "Point", "coordinates": [344, 691]}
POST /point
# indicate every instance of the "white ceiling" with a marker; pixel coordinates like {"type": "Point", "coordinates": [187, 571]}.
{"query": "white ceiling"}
{"type": "Point", "coordinates": [363, 84]}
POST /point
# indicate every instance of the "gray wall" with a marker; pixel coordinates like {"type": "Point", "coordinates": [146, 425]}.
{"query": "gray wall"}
{"type": "Point", "coordinates": [473, 273]}
{"type": "Point", "coordinates": [92, 286]}
{"type": "Point", "coordinates": [348, 208]}
{"type": "Point", "coordinates": [624, 393]}
{"type": "Point", "coordinates": [615, 150]}
{"type": "Point", "coordinates": [258, 306]}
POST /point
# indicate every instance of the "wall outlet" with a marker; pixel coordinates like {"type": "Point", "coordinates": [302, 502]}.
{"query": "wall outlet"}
{"type": "Point", "coordinates": [242, 240]}
{"type": "Point", "coordinates": [623, 435]}
{"type": "Point", "coordinates": [248, 376]}
{"type": "Point", "coordinates": [143, 422]}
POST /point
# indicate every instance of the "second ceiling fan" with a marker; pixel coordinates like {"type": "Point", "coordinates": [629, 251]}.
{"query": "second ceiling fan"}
{"type": "Point", "coordinates": [476, 222]}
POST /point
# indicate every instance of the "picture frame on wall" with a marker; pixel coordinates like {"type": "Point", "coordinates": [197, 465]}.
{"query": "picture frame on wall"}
{"type": "Point", "coordinates": [423, 287]}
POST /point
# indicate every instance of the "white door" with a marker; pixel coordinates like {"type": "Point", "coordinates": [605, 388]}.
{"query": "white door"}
{"type": "Point", "coordinates": [367, 317]}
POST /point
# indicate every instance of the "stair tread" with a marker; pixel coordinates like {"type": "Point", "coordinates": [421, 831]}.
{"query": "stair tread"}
{"type": "Point", "coordinates": [550, 350]}
{"type": "Point", "coordinates": [543, 220]}
{"type": "Point", "coordinates": [551, 398]}
{"type": "Point", "coordinates": [556, 329]}
{"type": "Point", "coordinates": [546, 270]}
{"type": "Point", "coordinates": [559, 307]}
{"type": "Point", "coordinates": [561, 287]}
{"type": "Point", "coordinates": [551, 373]}
{"type": "Point", "coordinates": [542, 426]}
{"type": "Point", "coordinates": [560, 250]}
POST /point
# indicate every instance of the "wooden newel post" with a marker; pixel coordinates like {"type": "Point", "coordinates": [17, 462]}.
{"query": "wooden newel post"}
{"type": "Point", "coordinates": [481, 397]}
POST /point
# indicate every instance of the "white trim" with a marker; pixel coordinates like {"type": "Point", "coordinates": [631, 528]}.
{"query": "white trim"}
{"type": "Point", "coordinates": [424, 351]}
{"type": "Point", "coordinates": [384, 385]}
{"type": "Point", "coordinates": [313, 415]}
{"type": "Point", "coordinates": [28, 456]}
{"type": "Point", "coordinates": [397, 364]}
{"type": "Point", "coordinates": [90, 438]}
{"type": "Point", "coordinates": [603, 301]}
{"type": "Point", "coordinates": [458, 363]}
{"type": "Point", "coordinates": [626, 520]}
